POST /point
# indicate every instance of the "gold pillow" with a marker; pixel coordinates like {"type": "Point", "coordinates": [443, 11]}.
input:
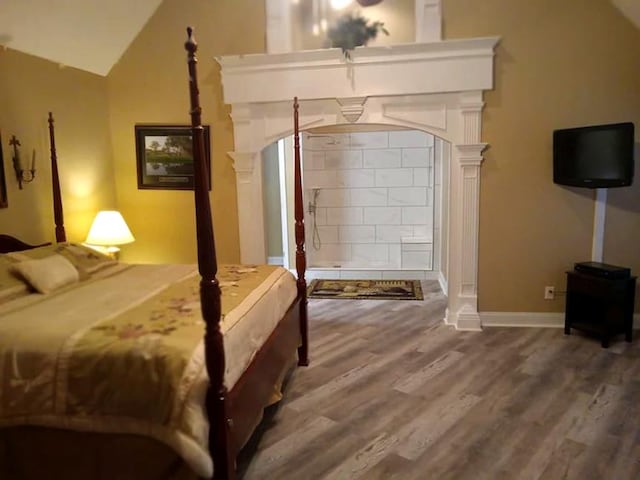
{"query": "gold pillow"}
{"type": "Point", "coordinates": [10, 285]}
{"type": "Point", "coordinates": [48, 274]}
{"type": "Point", "coordinates": [86, 260]}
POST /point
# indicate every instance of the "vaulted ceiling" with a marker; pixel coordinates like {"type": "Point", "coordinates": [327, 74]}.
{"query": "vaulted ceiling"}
{"type": "Point", "coordinates": [92, 35]}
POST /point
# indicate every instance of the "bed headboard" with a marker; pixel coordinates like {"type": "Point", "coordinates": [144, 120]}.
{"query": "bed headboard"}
{"type": "Point", "coordinates": [12, 244]}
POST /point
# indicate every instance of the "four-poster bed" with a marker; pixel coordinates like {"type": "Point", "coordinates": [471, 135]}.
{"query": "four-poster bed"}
{"type": "Point", "coordinates": [71, 391]}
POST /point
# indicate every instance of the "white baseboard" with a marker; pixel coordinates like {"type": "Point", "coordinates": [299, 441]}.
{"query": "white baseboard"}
{"type": "Point", "coordinates": [531, 319]}
{"type": "Point", "coordinates": [275, 261]}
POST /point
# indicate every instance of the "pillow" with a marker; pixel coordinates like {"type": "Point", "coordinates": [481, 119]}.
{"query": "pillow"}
{"type": "Point", "coordinates": [47, 274]}
{"type": "Point", "coordinates": [10, 285]}
{"type": "Point", "coordinates": [86, 260]}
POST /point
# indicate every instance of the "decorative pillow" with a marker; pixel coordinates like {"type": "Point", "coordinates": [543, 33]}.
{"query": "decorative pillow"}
{"type": "Point", "coordinates": [86, 260]}
{"type": "Point", "coordinates": [48, 274]}
{"type": "Point", "coordinates": [10, 285]}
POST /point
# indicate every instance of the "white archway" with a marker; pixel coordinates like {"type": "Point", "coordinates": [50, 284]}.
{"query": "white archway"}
{"type": "Point", "coordinates": [435, 87]}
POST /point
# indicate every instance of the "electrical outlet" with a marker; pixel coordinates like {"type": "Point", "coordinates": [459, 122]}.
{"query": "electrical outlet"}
{"type": "Point", "coordinates": [549, 292]}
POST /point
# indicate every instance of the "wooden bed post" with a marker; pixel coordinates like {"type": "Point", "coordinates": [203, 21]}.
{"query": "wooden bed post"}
{"type": "Point", "coordinates": [220, 447]}
{"type": "Point", "coordinates": [301, 259]}
{"type": "Point", "coordinates": [57, 197]}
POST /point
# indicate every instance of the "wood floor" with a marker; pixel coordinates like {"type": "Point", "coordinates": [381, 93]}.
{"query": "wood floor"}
{"type": "Point", "coordinates": [392, 393]}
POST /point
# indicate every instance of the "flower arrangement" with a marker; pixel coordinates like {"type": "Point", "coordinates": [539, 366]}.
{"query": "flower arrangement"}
{"type": "Point", "coordinates": [353, 30]}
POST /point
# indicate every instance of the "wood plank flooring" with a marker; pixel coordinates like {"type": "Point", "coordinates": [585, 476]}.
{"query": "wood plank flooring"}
{"type": "Point", "coordinates": [393, 393]}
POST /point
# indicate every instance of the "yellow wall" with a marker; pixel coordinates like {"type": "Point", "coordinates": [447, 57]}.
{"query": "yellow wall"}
{"type": "Point", "coordinates": [29, 88]}
{"type": "Point", "coordinates": [150, 85]}
{"type": "Point", "coordinates": [559, 64]}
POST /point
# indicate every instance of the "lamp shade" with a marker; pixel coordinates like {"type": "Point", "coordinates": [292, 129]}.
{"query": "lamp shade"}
{"type": "Point", "coordinates": [109, 229]}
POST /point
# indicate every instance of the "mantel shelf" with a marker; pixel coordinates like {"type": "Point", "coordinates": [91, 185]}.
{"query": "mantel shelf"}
{"type": "Point", "coordinates": [435, 67]}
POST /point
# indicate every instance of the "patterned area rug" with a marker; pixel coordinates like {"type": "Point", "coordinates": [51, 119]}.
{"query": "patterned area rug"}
{"type": "Point", "coordinates": [366, 289]}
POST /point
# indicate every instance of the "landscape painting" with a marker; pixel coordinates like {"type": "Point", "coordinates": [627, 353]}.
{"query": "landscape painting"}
{"type": "Point", "coordinates": [165, 157]}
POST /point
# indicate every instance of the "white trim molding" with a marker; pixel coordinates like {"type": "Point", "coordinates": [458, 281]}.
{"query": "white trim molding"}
{"type": "Point", "coordinates": [435, 87]}
{"type": "Point", "coordinates": [532, 319]}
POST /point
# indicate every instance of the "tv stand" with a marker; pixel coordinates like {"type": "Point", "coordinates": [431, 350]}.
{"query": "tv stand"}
{"type": "Point", "coordinates": [600, 301]}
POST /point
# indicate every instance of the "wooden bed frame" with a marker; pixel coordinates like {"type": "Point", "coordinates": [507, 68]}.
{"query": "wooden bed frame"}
{"type": "Point", "coordinates": [233, 415]}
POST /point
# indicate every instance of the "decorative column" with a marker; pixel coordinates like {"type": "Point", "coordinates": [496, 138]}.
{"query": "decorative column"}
{"type": "Point", "coordinates": [465, 202]}
{"type": "Point", "coordinates": [248, 167]}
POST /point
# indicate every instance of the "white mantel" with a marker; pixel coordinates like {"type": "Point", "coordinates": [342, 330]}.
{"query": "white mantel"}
{"type": "Point", "coordinates": [436, 87]}
{"type": "Point", "coordinates": [438, 67]}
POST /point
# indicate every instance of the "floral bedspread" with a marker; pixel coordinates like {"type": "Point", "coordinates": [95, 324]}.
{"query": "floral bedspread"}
{"type": "Point", "coordinates": [120, 354]}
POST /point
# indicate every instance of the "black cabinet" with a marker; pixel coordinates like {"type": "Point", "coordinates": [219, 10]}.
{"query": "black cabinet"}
{"type": "Point", "coordinates": [600, 305]}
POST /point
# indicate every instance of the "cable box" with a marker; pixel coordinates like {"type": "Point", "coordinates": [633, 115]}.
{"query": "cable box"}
{"type": "Point", "coordinates": [603, 270]}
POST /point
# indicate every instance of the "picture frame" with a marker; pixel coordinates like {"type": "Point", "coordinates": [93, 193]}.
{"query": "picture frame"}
{"type": "Point", "coordinates": [164, 157]}
{"type": "Point", "coordinates": [4, 203]}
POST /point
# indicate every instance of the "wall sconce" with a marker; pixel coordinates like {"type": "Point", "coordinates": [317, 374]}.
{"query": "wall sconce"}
{"type": "Point", "coordinates": [22, 175]}
{"type": "Point", "coordinates": [107, 232]}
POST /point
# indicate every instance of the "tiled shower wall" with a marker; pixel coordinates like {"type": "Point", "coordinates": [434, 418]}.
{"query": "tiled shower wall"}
{"type": "Point", "coordinates": [375, 206]}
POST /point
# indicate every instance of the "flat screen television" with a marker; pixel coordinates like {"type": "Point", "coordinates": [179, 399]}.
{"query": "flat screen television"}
{"type": "Point", "coordinates": [598, 156]}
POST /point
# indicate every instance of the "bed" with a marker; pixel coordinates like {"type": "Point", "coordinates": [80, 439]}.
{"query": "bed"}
{"type": "Point", "coordinates": [112, 370]}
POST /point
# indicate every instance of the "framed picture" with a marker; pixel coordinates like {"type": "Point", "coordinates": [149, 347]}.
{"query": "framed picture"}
{"type": "Point", "coordinates": [164, 156]}
{"type": "Point", "coordinates": [3, 181]}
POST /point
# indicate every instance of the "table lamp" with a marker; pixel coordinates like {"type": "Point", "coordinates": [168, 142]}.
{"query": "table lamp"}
{"type": "Point", "coordinates": [108, 231]}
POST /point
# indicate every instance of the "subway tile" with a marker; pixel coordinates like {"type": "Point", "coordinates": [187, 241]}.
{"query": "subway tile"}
{"type": "Point", "coordinates": [420, 177]}
{"type": "Point", "coordinates": [355, 178]}
{"type": "Point", "coordinates": [369, 140]}
{"type": "Point", "coordinates": [312, 160]}
{"type": "Point", "coordinates": [416, 196]}
{"type": "Point", "coordinates": [333, 141]}
{"type": "Point", "coordinates": [343, 159]}
{"type": "Point", "coordinates": [330, 197]}
{"type": "Point", "coordinates": [384, 158]}
{"type": "Point", "coordinates": [415, 157]}
{"type": "Point", "coordinates": [331, 254]}
{"type": "Point", "coordinates": [403, 275]}
{"type": "Point", "coordinates": [420, 260]}
{"type": "Point", "coordinates": [344, 216]}
{"type": "Point", "coordinates": [313, 273]}
{"type": "Point", "coordinates": [410, 138]}
{"type": "Point", "coordinates": [417, 215]}
{"type": "Point", "coordinates": [327, 234]}
{"type": "Point", "coordinates": [368, 197]}
{"type": "Point", "coordinates": [393, 233]}
{"type": "Point", "coordinates": [395, 255]}
{"type": "Point", "coordinates": [361, 274]}
{"type": "Point", "coordinates": [416, 247]}
{"type": "Point", "coordinates": [319, 179]}
{"type": "Point", "coordinates": [357, 234]}
{"type": "Point", "coordinates": [321, 217]}
{"type": "Point", "coordinates": [370, 254]}
{"type": "Point", "coordinates": [393, 177]}
{"type": "Point", "coordinates": [382, 216]}
{"type": "Point", "coordinates": [423, 231]}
